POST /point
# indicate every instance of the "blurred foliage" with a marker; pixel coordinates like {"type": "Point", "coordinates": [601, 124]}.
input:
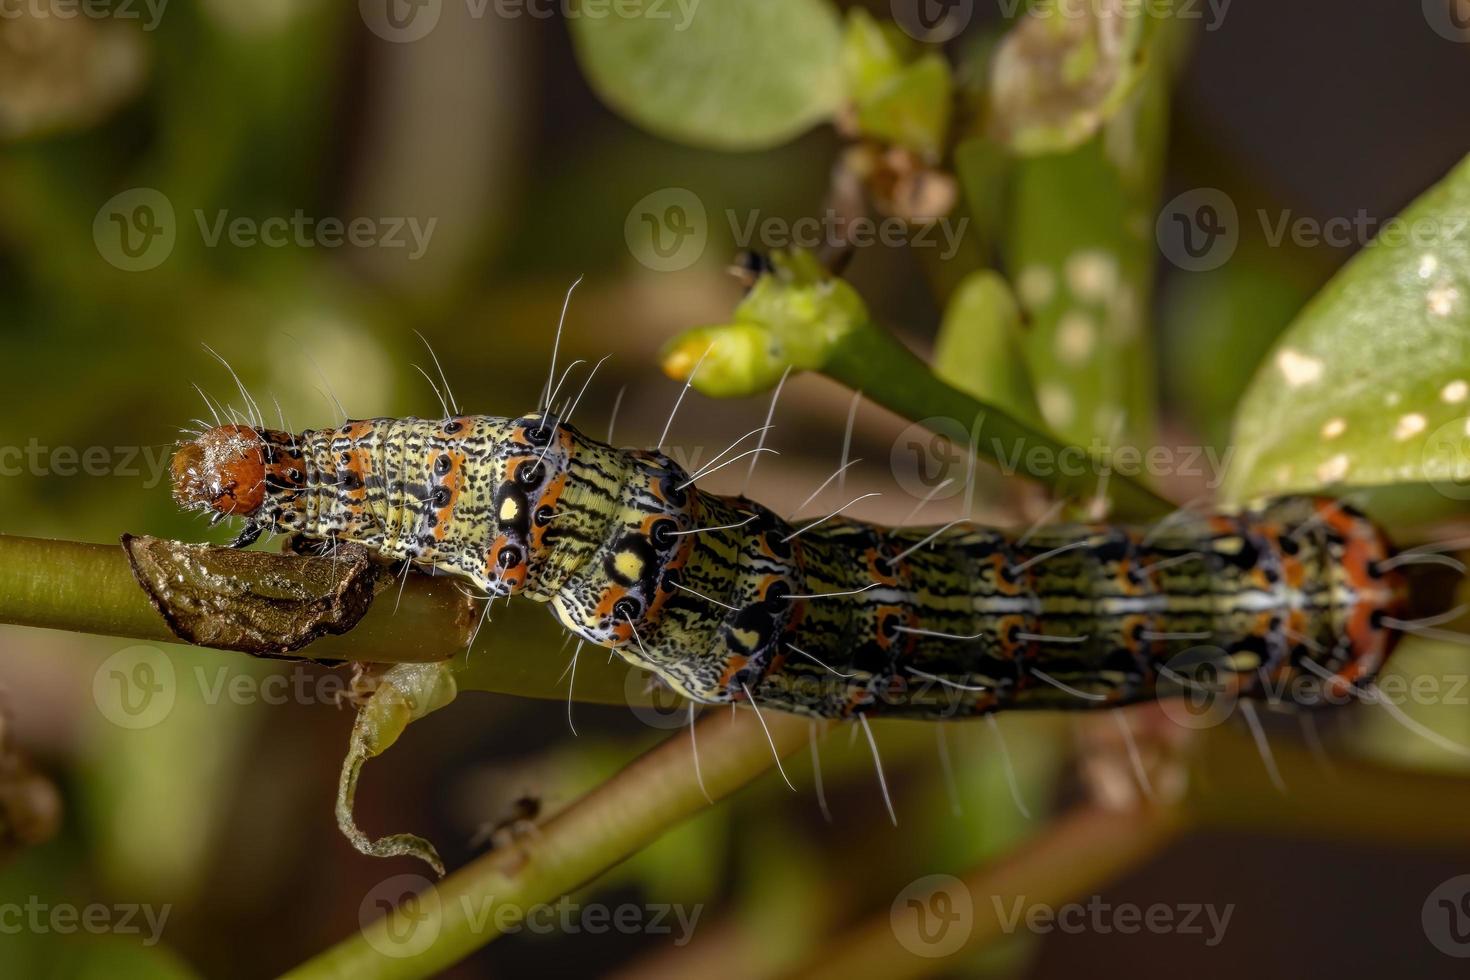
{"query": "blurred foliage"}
{"type": "Point", "coordinates": [737, 76]}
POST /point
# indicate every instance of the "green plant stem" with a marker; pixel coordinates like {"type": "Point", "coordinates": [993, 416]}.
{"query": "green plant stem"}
{"type": "Point", "coordinates": [870, 360]}
{"type": "Point", "coordinates": [475, 904]}
{"type": "Point", "coordinates": [1078, 852]}
{"type": "Point", "coordinates": [89, 588]}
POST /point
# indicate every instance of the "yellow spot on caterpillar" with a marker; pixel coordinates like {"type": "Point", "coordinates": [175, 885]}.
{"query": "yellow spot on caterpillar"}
{"type": "Point", "coordinates": [509, 509]}
{"type": "Point", "coordinates": [1242, 662]}
{"type": "Point", "coordinates": [628, 564]}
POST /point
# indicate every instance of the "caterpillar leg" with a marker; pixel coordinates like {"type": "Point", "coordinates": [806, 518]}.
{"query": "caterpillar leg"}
{"type": "Point", "coordinates": [406, 693]}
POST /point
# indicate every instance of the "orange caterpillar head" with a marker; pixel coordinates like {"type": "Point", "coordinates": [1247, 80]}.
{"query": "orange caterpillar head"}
{"type": "Point", "coordinates": [223, 471]}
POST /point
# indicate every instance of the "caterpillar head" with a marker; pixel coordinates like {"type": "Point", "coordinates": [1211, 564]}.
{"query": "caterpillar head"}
{"type": "Point", "coordinates": [222, 471]}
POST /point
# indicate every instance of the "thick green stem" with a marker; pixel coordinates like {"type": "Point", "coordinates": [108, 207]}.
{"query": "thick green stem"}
{"type": "Point", "coordinates": [870, 360]}
{"type": "Point", "coordinates": [90, 588]}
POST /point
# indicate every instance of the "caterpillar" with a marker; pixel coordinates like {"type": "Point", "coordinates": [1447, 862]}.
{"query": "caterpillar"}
{"type": "Point", "coordinates": [726, 601]}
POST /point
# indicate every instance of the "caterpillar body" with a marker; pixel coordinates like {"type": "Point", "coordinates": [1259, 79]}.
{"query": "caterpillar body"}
{"type": "Point", "coordinates": [728, 602]}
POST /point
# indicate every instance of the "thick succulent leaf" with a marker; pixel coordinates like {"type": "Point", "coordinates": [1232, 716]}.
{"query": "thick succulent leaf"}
{"type": "Point", "coordinates": [1371, 385]}
{"type": "Point", "coordinates": [727, 74]}
{"type": "Point", "coordinates": [979, 349]}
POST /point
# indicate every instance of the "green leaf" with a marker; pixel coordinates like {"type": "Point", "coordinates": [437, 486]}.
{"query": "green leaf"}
{"type": "Point", "coordinates": [725, 74]}
{"type": "Point", "coordinates": [913, 109]}
{"type": "Point", "coordinates": [872, 54]}
{"type": "Point", "coordinates": [894, 99]}
{"type": "Point", "coordinates": [980, 349]}
{"type": "Point", "coordinates": [1371, 385]}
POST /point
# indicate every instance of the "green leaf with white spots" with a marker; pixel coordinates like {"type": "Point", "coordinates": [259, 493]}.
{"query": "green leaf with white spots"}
{"type": "Point", "coordinates": [725, 74]}
{"type": "Point", "coordinates": [1371, 385]}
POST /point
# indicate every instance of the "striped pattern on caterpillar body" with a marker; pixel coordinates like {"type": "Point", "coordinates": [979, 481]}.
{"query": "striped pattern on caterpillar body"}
{"type": "Point", "coordinates": [726, 601]}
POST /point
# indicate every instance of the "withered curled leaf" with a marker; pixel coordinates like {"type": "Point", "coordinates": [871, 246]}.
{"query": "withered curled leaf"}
{"type": "Point", "coordinates": [252, 601]}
